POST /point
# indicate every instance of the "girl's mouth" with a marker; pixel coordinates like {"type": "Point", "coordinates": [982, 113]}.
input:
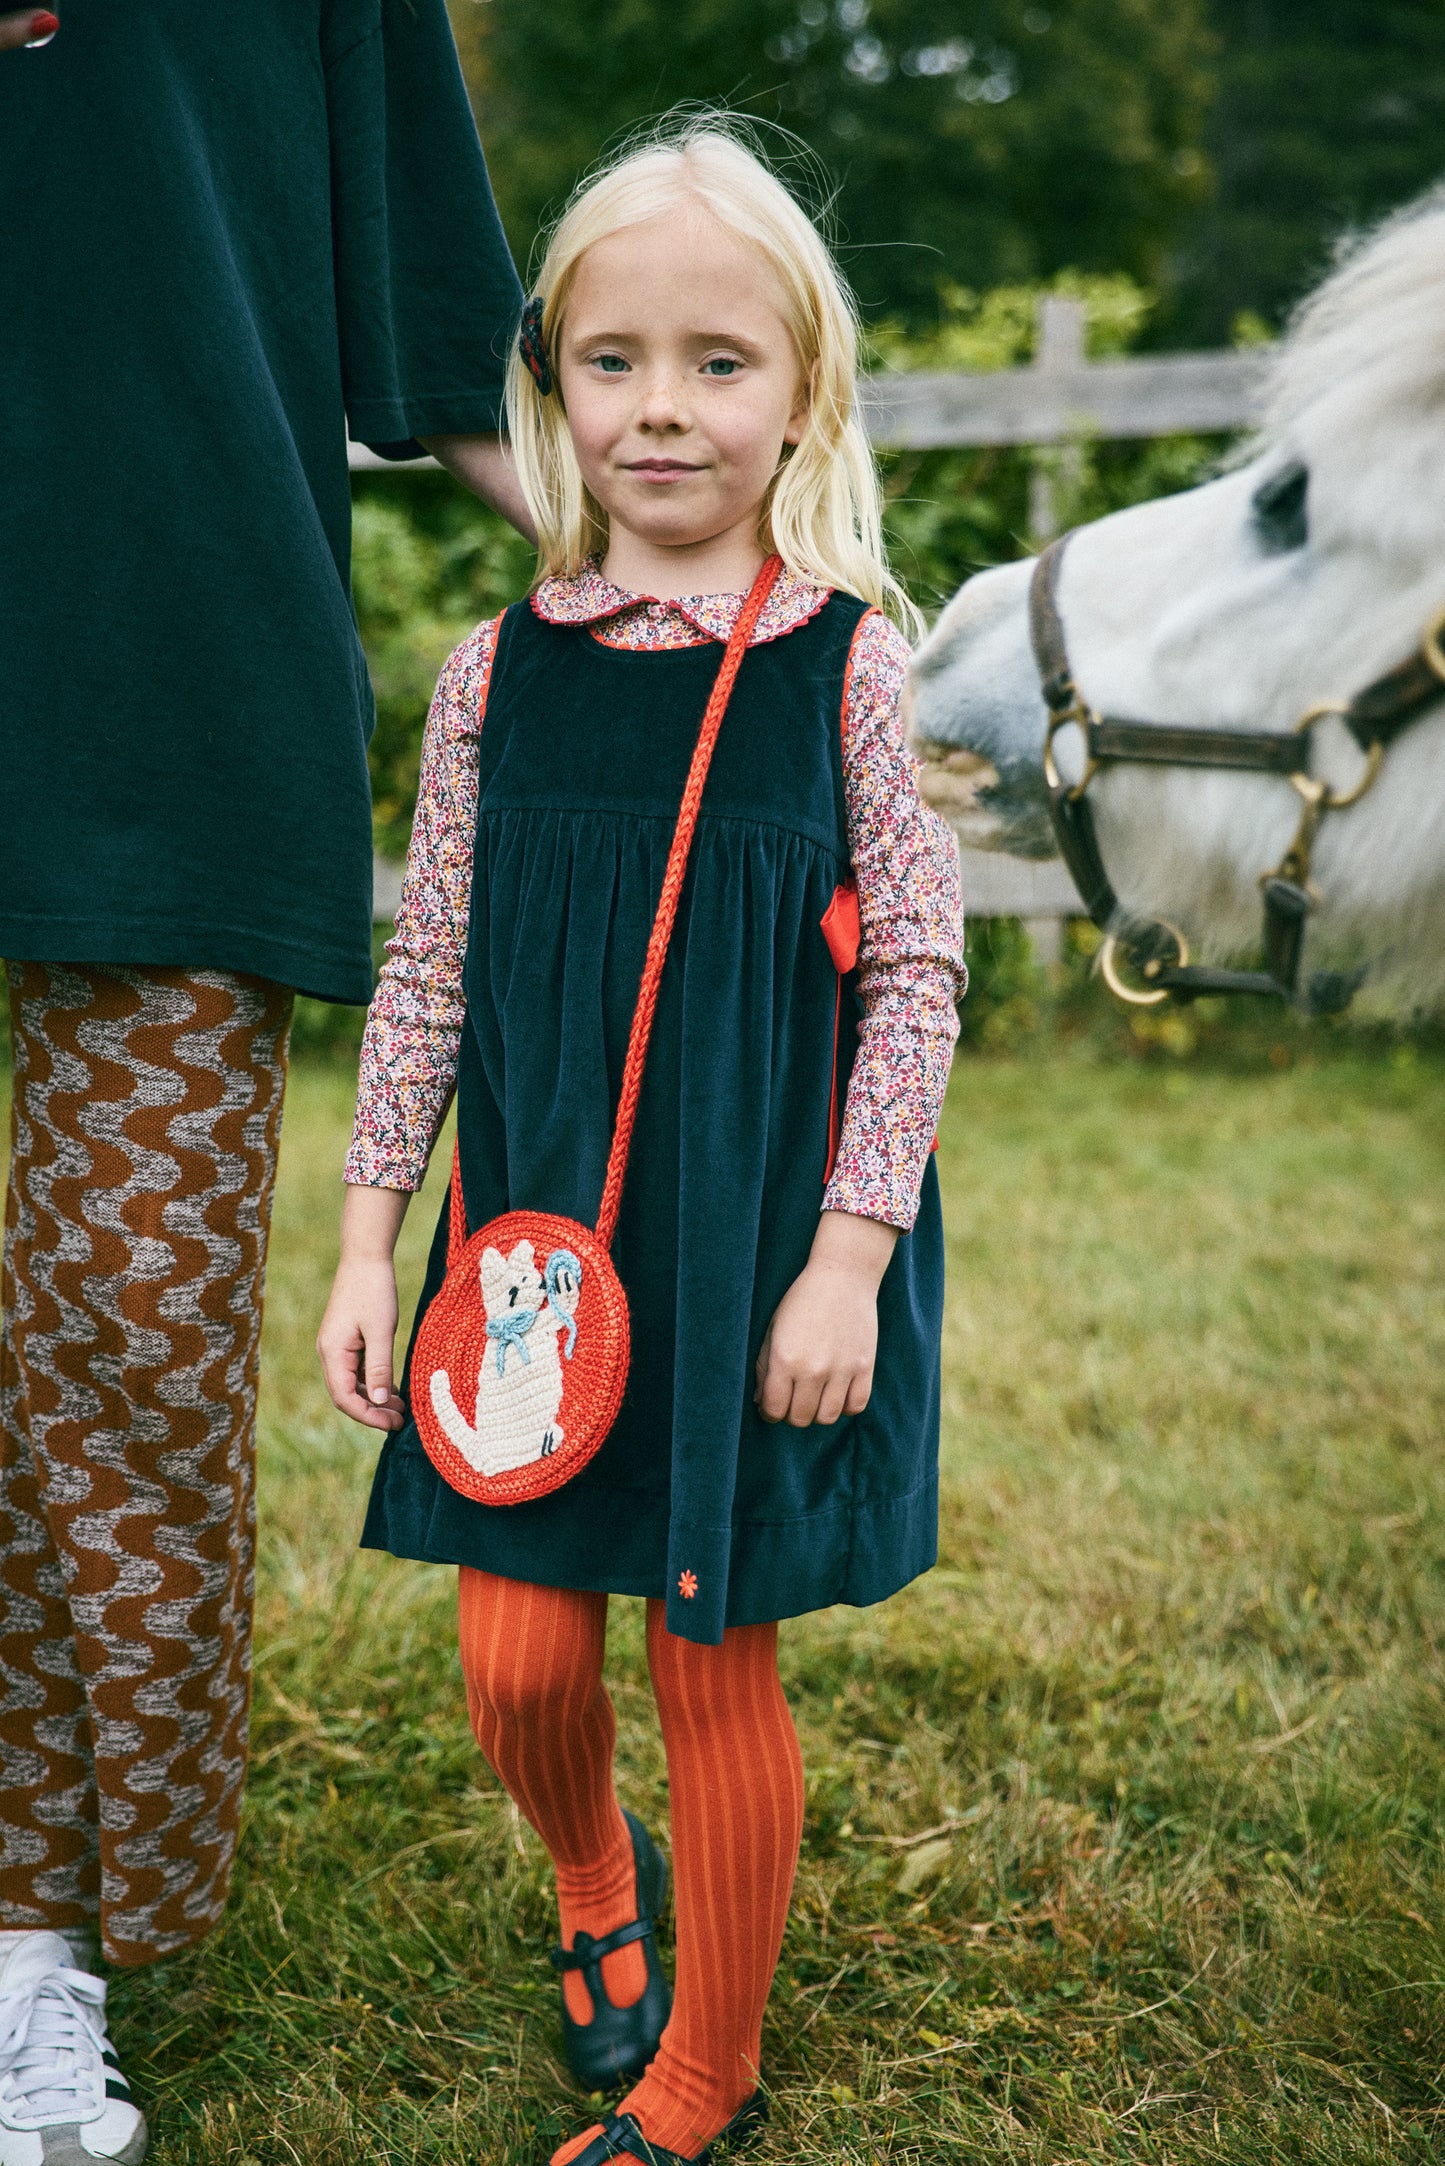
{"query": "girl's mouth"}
{"type": "Point", "coordinates": [657, 470]}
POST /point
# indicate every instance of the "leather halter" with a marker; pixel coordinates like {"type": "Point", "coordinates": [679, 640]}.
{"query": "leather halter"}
{"type": "Point", "coordinates": [1158, 951]}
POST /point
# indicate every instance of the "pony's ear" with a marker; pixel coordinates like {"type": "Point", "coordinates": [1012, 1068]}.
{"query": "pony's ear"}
{"type": "Point", "coordinates": [493, 1260]}
{"type": "Point", "coordinates": [523, 1257]}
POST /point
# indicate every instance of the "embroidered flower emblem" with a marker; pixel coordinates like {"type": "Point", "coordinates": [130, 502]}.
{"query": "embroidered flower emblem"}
{"type": "Point", "coordinates": [687, 1586]}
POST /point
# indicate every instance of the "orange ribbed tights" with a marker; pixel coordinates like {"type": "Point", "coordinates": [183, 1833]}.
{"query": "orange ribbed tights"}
{"type": "Point", "coordinates": [532, 1659]}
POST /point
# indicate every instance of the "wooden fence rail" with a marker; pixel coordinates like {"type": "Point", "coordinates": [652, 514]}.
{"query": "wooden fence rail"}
{"type": "Point", "coordinates": [1058, 397]}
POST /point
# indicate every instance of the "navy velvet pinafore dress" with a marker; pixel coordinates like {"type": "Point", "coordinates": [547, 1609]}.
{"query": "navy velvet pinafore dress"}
{"type": "Point", "coordinates": [583, 755]}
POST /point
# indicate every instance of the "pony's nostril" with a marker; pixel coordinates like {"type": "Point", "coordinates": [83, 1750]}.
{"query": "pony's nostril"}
{"type": "Point", "coordinates": [951, 777]}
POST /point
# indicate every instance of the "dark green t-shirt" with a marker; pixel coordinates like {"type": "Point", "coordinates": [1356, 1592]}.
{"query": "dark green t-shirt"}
{"type": "Point", "coordinates": [226, 233]}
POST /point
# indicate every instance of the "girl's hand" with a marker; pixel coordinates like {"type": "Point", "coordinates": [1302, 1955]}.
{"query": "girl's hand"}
{"type": "Point", "coordinates": [816, 1363]}
{"type": "Point", "coordinates": [358, 1331]}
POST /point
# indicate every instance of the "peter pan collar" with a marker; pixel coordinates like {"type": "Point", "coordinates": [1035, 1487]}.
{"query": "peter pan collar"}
{"type": "Point", "coordinates": [585, 597]}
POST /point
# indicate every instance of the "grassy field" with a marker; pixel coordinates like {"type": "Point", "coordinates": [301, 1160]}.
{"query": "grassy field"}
{"type": "Point", "coordinates": [1124, 1826]}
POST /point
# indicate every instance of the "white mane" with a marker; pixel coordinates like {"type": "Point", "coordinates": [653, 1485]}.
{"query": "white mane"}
{"type": "Point", "coordinates": [1357, 385]}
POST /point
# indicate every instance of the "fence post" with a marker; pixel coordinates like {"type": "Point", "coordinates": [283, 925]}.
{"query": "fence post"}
{"type": "Point", "coordinates": [1059, 351]}
{"type": "Point", "coordinates": [1055, 473]}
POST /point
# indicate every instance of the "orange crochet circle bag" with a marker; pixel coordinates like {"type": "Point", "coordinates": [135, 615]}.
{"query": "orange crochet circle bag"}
{"type": "Point", "coordinates": [521, 1360]}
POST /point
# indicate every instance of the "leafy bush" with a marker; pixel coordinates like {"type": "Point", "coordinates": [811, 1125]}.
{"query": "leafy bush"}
{"type": "Point", "coordinates": [428, 563]}
{"type": "Point", "coordinates": [951, 513]}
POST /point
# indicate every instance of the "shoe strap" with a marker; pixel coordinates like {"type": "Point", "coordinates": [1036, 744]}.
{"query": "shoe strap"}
{"type": "Point", "coordinates": [621, 2137]}
{"type": "Point", "coordinates": [623, 2132]}
{"type": "Point", "coordinates": [615, 2140]}
{"type": "Point", "coordinates": [585, 1953]}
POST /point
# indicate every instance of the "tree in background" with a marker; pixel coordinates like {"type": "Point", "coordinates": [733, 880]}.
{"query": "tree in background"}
{"type": "Point", "coordinates": [998, 140]}
{"type": "Point", "coordinates": [1327, 114]}
{"type": "Point", "coordinates": [1212, 149]}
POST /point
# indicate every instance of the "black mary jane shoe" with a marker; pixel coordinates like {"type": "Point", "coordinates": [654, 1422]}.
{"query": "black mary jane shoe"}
{"type": "Point", "coordinates": [616, 2046]}
{"type": "Point", "coordinates": [622, 2137]}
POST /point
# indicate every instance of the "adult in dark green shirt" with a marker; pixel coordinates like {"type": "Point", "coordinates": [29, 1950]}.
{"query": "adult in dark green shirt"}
{"type": "Point", "coordinates": [230, 232]}
{"type": "Point", "coordinates": [229, 235]}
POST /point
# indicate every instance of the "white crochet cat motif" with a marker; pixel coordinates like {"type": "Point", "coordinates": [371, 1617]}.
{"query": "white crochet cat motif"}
{"type": "Point", "coordinates": [519, 1387]}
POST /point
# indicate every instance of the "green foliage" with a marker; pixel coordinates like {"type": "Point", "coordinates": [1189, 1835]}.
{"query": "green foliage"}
{"type": "Point", "coordinates": [998, 328]}
{"type": "Point", "coordinates": [949, 513]}
{"type": "Point", "coordinates": [1017, 1006]}
{"type": "Point", "coordinates": [1327, 113]}
{"type": "Point", "coordinates": [1212, 148]}
{"type": "Point", "coordinates": [997, 143]}
{"type": "Point", "coordinates": [1123, 1828]}
{"type": "Point", "coordinates": [428, 562]}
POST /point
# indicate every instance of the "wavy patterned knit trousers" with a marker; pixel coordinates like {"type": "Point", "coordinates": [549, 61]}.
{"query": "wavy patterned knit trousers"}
{"type": "Point", "coordinates": [144, 1130]}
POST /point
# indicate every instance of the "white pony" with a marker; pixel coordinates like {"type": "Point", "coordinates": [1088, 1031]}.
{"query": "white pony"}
{"type": "Point", "coordinates": [1296, 578]}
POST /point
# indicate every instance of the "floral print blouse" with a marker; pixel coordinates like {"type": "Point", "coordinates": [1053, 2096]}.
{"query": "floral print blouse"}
{"type": "Point", "coordinates": [910, 966]}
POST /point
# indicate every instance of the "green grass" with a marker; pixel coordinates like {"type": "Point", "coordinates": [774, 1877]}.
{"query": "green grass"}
{"type": "Point", "coordinates": [1171, 1706]}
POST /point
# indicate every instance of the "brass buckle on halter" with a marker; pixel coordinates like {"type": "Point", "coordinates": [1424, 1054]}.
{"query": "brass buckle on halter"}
{"type": "Point", "coordinates": [1317, 798]}
{"type": "Point", "coordinates": [1430, 645]}
{"type": "Point", "coordinates": [1143, 996]}
{"type": "Point", "coordinates": [1080, 716]}
{"type": "Point", "coordinates": [1294, 866]}
{"type": "Point", "coordinates": [1316, 792]}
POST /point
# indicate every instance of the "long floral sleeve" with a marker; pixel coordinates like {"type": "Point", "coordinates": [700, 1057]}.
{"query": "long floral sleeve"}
{"type": "Point", "coordinates": [414, 1028]}
{"type": "Point", "coordinates": [910, 967]}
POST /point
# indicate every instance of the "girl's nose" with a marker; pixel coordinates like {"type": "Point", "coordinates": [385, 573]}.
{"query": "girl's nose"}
{"type": "Point", "coordinates": [663, 405]}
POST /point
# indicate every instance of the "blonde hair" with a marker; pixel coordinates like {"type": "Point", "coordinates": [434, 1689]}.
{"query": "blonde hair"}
{"type": "Point", "coordinates": [823, 510]}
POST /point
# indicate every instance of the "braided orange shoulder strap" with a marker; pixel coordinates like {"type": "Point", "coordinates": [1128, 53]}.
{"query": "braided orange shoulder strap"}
{"type": "Point", "coordinates": [660, 937]}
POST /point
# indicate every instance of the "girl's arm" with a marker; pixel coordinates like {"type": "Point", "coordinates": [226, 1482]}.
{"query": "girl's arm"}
{"type": "Point", "coordinates": [484, 465]}
{"type": "Point", "coordinates": [817, 1360]}
{"type": "Point", "coordinates": [414, 1025]}
{"type": "Point", "coordinates": [409, 1053]}
{"type": "Point", "coordinates": [358, 1331]}
{"type": "Point", "coordinates": [911, 971]}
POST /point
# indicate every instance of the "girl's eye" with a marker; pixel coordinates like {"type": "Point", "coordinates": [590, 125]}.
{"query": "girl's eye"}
{"type": "Point", "coordinates": [724, 366]}
{"type": "Point", "coordinates": [611, 364]}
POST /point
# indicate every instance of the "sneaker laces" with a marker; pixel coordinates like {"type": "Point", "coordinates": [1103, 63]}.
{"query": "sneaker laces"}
{"type": "Point", "coordinates": [52, 2034]}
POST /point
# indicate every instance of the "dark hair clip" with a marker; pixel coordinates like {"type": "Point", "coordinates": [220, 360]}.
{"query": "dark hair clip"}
{"type": "Point", "coordinates": [533, 347]}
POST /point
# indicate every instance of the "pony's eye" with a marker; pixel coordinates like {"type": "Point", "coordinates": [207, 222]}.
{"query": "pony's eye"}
{"type": "Point", "coordinates": [1280, 511]}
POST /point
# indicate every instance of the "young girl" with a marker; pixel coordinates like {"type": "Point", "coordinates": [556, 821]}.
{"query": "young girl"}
{"type": "Point", "coordinates": [682, 408]}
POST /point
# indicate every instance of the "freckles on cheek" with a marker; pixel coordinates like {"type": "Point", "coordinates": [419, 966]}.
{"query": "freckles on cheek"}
{"type": "Point", "coordinates": [593, 462]}
{"type": "Point", "coordinates": [589, 423]}
{"type": "Point", "coordinates": [583, 428]}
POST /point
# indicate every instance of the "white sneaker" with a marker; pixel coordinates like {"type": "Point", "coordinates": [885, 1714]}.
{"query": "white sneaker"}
{"type": "Point", "coordinates": [63, 2099]}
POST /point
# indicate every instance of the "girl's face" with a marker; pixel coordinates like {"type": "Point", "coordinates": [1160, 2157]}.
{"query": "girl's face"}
{"type": "Point", "coordinates": [681, 380]}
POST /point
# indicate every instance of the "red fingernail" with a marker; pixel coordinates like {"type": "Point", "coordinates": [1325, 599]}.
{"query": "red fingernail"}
{"type": "Point", "coordinates": [44, 25]}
